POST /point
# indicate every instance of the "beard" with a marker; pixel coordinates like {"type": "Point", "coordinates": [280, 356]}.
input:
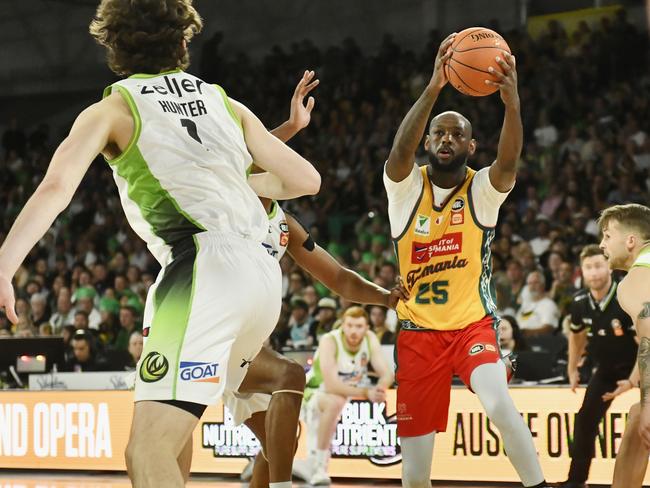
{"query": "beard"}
{"type": "Point", "coordinates": [451, 166]}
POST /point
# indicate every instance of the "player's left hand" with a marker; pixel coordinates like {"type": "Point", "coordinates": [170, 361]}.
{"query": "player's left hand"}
{"type": "Point", "coordinates": [644, 425]}
{"type": "Point", "coordinates": [397, 293]}
{"type": "Point", "coordinates": [506, 78]}
{"type": "Point", "coordinates": [300, 114]}
{"type": "Point", "coordinates": [621, 387]}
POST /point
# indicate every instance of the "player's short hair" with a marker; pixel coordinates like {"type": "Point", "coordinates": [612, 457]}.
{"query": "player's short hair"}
{"type": "Point", "coordinates": [145, 36]}
{"type": "Point", "coordinates": [632, 216]}
{"type": "Point", "coordinates": [589, 251]}
{"type": "Point", "coordinates": [356, 312]}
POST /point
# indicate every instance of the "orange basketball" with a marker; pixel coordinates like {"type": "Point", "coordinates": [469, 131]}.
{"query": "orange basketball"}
{"type": "Point", "coordinates": [473, 51]}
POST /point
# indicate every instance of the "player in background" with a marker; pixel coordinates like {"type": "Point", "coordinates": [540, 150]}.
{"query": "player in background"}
{"type": "Point", "coordinates": [626, 244]}
{"type": "Point", "coordinates": [179, 149]}
{"type": "Point", "coordinates": [442, 219]}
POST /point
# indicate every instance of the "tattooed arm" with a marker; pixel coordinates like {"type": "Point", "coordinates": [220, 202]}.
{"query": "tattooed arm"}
{"type": "Point", "coordinates": [634, 297]}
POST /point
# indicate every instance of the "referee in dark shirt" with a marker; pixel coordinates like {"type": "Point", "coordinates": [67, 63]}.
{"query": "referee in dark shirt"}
{"type": "Point", "coordinates": [599, 325]}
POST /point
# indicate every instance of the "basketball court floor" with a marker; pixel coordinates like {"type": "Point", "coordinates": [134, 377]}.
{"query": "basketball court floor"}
{"type": "Point", "coordinates": [31, 479]}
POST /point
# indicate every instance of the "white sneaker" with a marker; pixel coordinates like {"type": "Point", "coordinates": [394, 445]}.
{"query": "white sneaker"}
{"type": "Point", "coordinates": [247, 473]}
{"type": "Point", "coordinates": [303, 469]}
{"type": "Point", "coordinates": [320, 477]}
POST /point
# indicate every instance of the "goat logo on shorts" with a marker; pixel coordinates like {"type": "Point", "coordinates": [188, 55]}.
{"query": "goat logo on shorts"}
{"type": "Point", "coordinates": [476, 349]}
{"type": "Point", "coordinates": [199, 372]}
{"type": "Point", "coordinates": [154, 367]}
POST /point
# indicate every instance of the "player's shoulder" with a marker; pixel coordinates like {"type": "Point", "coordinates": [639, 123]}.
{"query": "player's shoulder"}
{"type": "Point", "coordinates": [580, 296]}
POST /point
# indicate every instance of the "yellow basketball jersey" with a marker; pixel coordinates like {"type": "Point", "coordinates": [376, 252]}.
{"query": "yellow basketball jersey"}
{"type": "Point", "coordinates": [445, 261]}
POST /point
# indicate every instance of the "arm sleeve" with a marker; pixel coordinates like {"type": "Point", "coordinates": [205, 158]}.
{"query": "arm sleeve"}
{"type": "Point", "coordinates": [402, 197]}
{"type": "Point", "coordinates": [575, 324]}
{"type": "Point", "coordinates": [486, 199]}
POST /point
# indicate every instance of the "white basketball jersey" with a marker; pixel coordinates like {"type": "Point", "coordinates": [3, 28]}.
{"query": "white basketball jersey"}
{"type": "Point", "coordinates": [185, 169]}
{"type": "Point", "coordinates": [277, 239]}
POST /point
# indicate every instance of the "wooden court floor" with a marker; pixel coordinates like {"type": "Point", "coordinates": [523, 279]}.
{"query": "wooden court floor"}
{"type": "Point", "coordinates": [40, 479]}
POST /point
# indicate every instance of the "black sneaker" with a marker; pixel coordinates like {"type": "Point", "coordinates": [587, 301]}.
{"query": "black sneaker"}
{"type": "Point", "coordinates": [572, 484]}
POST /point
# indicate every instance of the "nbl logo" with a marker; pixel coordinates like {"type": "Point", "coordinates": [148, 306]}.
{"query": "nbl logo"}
{"type": "Point", "coordinates": [154, 367]}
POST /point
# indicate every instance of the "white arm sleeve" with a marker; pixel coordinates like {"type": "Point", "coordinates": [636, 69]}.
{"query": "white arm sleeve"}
{"type": "Point", "coordinates": [402, 197]}
{"type": "Point", "coordinates": [486, 198]}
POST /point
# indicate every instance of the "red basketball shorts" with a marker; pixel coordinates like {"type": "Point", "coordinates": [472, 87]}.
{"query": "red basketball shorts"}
{"type": "Point", "coordinates": [426, 361]}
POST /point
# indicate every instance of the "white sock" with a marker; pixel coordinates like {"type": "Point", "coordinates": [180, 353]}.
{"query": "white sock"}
{"type": "Point", "coordinates": [489, 383]}
{"type": "Point", "coordinates": [322, 457]}
{"type": "Point", "coordinates": [280, 484]}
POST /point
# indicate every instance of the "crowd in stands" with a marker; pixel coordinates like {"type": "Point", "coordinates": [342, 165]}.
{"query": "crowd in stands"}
{"type": "Point", "coordinates": [585, 109]}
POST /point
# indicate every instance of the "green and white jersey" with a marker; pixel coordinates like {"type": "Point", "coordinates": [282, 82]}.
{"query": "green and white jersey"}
{"type": "Point", "coordinates": [643, 259]}
{"type": "Point", "coordinates": [277, 239]}
{"type": "Point", "coordinates": [185, 168]}
{"type": "Point", "coordinates": [352, 367]}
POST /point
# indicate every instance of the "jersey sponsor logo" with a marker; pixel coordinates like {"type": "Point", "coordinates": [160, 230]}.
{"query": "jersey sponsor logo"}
{"type": "Point", "coordinates": [172, 86]}
{"type": "Point", "coordinates": [198, 372]}
{"type": "Point", "coordinates": [458, 211]}
{"type": "Point", "coordinates": [587, 321]}
{"type": "Point", "coordinates": [448, 244]}
{"type": "Point", "coordinates": [415, 274]}
{"type": "Point", "coordinates": [423, 225]}
{"type": "Point", "coordinates": [490, 347]}
{"type": "Point", "coordinates": [617, 326]}
{"type": "Point", "coordinates": [284, 233]}
{"type": "Point", "coordinates": [602, 332]}
{"type": "Point", "coordinates": [154, 367]}
{"type": "Point", "coordinates": [476, 349]}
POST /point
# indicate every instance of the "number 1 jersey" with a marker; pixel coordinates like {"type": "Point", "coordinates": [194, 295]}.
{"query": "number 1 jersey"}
{"type": "Point", "coordinates": [185, 168]}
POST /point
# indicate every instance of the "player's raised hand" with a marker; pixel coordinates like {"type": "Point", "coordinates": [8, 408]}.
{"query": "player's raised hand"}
{"type": "Point", "coordinates": [439, 79]}
{"type": "Point", "coordinates": [506, 78]}
{"type": "Point", "coordinates": [7, 299]}
{"type": "Point", "coordinates": [300, 114]}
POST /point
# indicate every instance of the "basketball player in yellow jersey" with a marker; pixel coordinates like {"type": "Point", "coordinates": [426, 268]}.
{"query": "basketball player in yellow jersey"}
{"type": "Point", "coordinates": [626, 244]}
{"type": "Point", "coordinates": [442, 219]}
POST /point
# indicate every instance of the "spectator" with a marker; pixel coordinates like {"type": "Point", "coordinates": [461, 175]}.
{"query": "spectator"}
{"type": "Point", "coordinates": [84, 355]}
{"type": "Point", "coordinates": [38, 304]}
{"type": "Point", "coordinates": [300, 325]}
{"type": "Point", "coordinates": [81, 320]}
{"type": "Point", "coordinates": [378, 324]}
{"type": "Point", "coordinates": [563, 289]}
{"type": "Point", "coordinates": [135, 348]}
{"type": "Point", "coordinates": [538, 315]}
{"type": "Point", "coordinates": [510, 337]}
{"type": "Point", "coordinates": [128, 324]}
{"type": "Point", "coordinates": [85, 303]}
{"type": "Point", "coordinates": [64, 314]}
{"type": "Point", "coordinates": [325, 315]}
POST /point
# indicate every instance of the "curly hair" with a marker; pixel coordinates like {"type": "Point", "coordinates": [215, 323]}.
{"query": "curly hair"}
{"type": "Point", "coordinates": [145, 36]}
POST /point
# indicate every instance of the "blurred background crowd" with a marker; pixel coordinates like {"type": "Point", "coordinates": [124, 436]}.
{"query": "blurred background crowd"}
{"type": "Point", "coordinates": [585, 111]}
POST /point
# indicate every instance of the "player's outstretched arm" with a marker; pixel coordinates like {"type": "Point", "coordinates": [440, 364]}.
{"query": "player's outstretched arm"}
{"type": "Point", "coordinates": [88, 137]}
{"type": "Point", "coordinates": [504, 170]}
{"type": "Point", "coordinates": [410, 132]}
{"type": "Point", "coordinates": [299, 113]}
{"type": "Point", "coordinates": [342, 281]}
{"type": "Point", "coordinates": [289, 175]}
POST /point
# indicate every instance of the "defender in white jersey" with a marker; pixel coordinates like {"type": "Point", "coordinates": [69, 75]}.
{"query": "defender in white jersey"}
{"type": "Point", "coordinates": [179, 150]}
{"type": "Point", "coordinates": [626, 245]}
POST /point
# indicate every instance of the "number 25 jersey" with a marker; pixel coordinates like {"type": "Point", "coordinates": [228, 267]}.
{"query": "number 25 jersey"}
{"type": "Point", "coordinates": [444, 260]}
{"type": "Point", "coordinates": [185, 168]}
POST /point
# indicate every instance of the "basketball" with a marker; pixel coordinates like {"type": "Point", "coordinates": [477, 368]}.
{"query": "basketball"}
{"type": "Point", "coordinates": [473, 51]}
